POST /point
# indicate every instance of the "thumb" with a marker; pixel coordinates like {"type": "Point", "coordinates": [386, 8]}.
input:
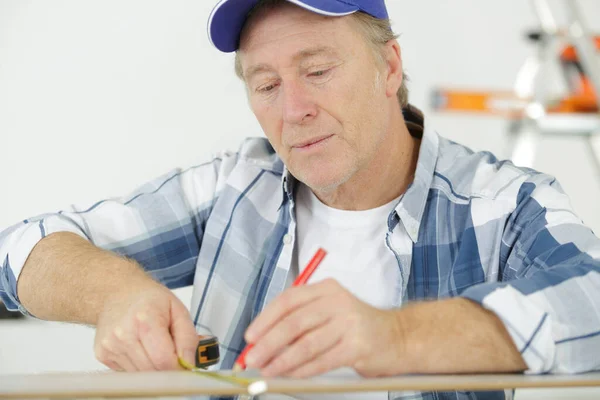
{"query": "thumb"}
{"type": "Point", "coordinates": [183, 332]}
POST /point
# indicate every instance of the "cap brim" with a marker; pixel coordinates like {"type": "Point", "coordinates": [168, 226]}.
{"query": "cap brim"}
{"type": "Point", "coordinates": [228, 17]}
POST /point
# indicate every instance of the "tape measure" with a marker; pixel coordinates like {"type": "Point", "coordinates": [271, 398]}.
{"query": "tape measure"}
{"type": "Point", "coordinates": [207, 352]}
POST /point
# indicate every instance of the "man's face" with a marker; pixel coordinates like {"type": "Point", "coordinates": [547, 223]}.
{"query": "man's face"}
{"type": "Point", "coordinates": [317, 91]}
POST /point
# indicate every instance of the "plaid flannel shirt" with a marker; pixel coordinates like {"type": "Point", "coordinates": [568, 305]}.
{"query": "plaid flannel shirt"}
{"type": "Point", "coordinates": [469, 225]}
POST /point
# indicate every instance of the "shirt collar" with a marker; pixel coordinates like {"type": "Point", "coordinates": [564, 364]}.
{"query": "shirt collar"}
{"type": "Point", "coordinates": [411, 207]}
{"type": "Point", "coordinates": [288, 183]}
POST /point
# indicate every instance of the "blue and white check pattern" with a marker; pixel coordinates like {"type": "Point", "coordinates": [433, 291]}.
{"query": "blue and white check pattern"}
{"type": "Point", "coordinates": [503, 236]}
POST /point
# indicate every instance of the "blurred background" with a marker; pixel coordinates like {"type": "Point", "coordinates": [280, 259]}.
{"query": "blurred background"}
{"type": "Point", "coordinates": [97, 97]}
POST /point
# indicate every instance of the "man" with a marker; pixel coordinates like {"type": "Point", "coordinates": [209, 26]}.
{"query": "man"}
{"type": "Point", "coordinates": [439, 259]}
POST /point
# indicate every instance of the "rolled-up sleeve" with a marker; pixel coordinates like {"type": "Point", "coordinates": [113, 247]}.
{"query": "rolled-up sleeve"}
{"type": "Point", "coordinates": [160, 225]}
{"type": "Point", "coordinates": [549, 293]}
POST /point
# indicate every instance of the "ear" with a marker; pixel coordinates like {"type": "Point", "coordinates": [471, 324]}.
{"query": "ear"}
{"type": "Point", "coordinates": [394, 77]}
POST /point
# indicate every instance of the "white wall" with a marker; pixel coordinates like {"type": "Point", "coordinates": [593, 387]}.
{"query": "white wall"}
{"type": "Point", "coordinates": [98, 96]}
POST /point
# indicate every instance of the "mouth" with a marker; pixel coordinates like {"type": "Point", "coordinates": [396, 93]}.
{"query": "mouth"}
{"type": "Point", "coordinates": [312, 143]}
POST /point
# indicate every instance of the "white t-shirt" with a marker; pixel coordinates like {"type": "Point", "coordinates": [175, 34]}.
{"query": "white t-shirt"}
{"type": "Point", "coordinates": [357, 257]}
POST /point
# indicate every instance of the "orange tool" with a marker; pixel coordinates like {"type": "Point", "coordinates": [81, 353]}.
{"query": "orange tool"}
{"type": "Point", "coordinates": [207, 352]}
{"type": "Point", "coordinates": [580, 99]}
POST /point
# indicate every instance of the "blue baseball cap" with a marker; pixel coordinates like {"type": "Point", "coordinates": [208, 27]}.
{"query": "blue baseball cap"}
{"type": "Point", "coordinates": [228, 17]}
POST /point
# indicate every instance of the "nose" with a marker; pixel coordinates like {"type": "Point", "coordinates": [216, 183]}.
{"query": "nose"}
{"type": "Point", "coordinates": [298, 106]}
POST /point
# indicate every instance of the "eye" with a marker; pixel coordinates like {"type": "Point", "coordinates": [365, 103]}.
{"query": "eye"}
{"type": "Point", "coordinates": [267, 88]}
{"type": "Point", "coordinates": [319, 73]}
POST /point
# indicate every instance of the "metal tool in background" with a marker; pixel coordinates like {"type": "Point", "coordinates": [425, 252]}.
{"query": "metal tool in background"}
{"type": "Point", "coordinates": [531, 110]}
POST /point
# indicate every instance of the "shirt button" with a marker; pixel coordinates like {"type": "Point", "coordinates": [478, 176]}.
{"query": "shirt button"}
{"type": "Point", "coordinates": [287, 239]}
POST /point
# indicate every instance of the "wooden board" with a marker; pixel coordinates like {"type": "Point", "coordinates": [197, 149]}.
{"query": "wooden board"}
{"type": "Point", "coordinates": [175, 383]}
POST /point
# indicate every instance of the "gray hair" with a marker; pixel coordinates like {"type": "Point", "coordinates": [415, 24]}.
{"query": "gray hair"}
{"type": "Point", "coordinates": [377, 32]}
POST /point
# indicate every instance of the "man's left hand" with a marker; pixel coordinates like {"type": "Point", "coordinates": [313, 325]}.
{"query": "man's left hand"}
{"type": "Point", "coordinates": [313, 329]}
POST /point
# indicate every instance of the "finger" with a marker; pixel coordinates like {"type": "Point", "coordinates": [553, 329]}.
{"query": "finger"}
{"type": "Point", "coordinates": [118, 355]}
{"type": "Point", "coordinates": [110, 361]}
{"type": "Point", "coordinates": [110, 352]}
{"type": "Point", "coordinates": [106, 356]}
{"type": "Point", "coordinates": [138, 356]}
{"type": "Point", "coordinates": [308, 348]}
{"type": "Point", "coordinates": [128, 344]}
{"type": "Point", "coordinates": [336, 357]}
{"type": "Point", "coordinates": [120, 346]}
{"type": "Point", "coordinates": [125, 363]}
{"type": "Point", "coordinates": [114, 366]}
{"type": "Point", "coordinates": [288, 301]}
{"type": "Point", "coordinates": [309, 317]}
{"type": "Point", "coordinates": [157, 341]}
{"type": "Point", "coordinates": [183, 332]}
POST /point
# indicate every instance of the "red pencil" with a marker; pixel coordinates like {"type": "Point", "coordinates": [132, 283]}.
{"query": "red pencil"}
{"type": "Point", "coordinates": [240, 363]}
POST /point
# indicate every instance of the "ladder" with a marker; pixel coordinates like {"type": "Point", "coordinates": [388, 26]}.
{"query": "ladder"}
{"type": "Point", "coordinates": [532, 112]}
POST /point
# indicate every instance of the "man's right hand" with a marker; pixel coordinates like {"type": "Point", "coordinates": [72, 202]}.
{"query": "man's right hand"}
{"type": "Point", "coordinates": [140, 324]}
{"type": "Point", "coordinates": [144, 329]}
